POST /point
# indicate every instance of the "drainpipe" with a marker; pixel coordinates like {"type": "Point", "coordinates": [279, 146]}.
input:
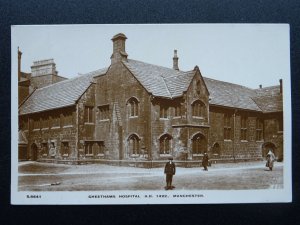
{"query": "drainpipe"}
{"type": "Point", "coordinates": [233, 149]}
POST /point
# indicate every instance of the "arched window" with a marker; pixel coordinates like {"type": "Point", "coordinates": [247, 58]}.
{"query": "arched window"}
{"type": "Point", "coordinates": [133, 106]}
{"type": "Point", "coordinates": [134, 144]}
{"type": "Point", "coordinates": [199, 144]}
{"type": "Point", "coordinates": [165, 144]}
{"type": "Point", "coordinates": [199, 109]}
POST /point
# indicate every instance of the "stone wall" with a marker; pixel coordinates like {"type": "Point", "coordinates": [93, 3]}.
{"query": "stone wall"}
{"type": "Point", "coordinates": [52, 136]}
{"type": "Point", "coordinates": [115, 89]}
{"type": "Point", "coordinates": [235, 147]}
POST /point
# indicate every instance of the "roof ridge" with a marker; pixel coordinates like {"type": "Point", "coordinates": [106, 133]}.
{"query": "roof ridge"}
{"type": "Point", "coordinates": [178, 71]}
{"type": "Point", "coordinates": [251, 89]}
{"type": "Point", "coordinates": [70, 79]}
{"type": "Point", "coordinates": [264, 88]}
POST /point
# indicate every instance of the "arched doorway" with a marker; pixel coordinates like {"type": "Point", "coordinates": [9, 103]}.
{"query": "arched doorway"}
{"type": "Point", "coordinates": [33, 152]}
{"type": "Point", "coordinates": [266, 147]}
{"type": "Point", "coordinates": [199, 144]}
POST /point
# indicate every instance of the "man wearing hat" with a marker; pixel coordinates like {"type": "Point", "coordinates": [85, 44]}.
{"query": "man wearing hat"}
{"type": "Point", "coordinates": [169, 171]}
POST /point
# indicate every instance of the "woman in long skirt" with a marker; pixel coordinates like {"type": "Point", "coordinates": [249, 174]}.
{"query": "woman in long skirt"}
{"type": "Point", "coordinates": [270, 160]}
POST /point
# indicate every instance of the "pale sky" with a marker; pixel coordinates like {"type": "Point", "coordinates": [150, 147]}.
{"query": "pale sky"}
{"type": "Point", "coordinates": [248, 55]}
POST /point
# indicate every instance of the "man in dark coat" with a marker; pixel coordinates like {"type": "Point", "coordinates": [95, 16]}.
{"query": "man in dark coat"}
{"type": "Point", "coordinates": [205, 161]}
{"type": "Point", "coordinates": [170, 170]}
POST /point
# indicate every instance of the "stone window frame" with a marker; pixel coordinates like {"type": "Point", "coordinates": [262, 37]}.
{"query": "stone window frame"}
{"type": "Point", "coordinates": [133, 109]}
{"type": "Point", "coordinates": [259, 129]}
{"type": "Point", "coordinates": [55, 121]}
{"type": "Point", "coordinates": [44, 149]}
{"type": "Point", "coordinates": [198, 109]}
{"type": "Point", "coordinates": [65, 148]}
{"type": "Point", "coordinates": [227, 127]}
{"type": "Point", "coordinates": [134, 141]}
{"type": "Point", "coordinates": [67, 120]}
{"type": "Point", "coordinates": [101, 148]}
{"type": "Point", "coordinates": [88, 148]}
{"type": "Point", "coordinates": [45, 122]}
{"type": "Point", "coordinates": [177, 110]}
{"type": "Point", "coordinates": [104, 112]}
{"type": "Point", "coordinates": [165, 144]}
{"type": "Point", "coordinates": [216, 149]}
{"type": "Point", "coordinates": [197, 142]}
{"type": "Point", "coordinates": [244, 128]}
{"type": "Point", "coordinates": [36, 123]}
{"type": "Point", "coordinates": [164, 111]}
{"type": "Point", "coordinates": [89, 116]}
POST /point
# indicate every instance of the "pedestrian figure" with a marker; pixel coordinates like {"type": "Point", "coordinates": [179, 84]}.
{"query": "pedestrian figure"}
{"type": "Point", "coordinates": [169, 171]}
{"type": "Point", "coordinates": [270, 160]}
{"type": "Point", "coordinates": [205, 161]}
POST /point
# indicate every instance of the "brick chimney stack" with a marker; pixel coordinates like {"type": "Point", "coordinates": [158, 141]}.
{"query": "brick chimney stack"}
{"type": "Point", "coordinates": [19, 64]}
{"type": "Point", "coordinates": [119, 52]}
{"type": "Point", "coordinates": [175, 61]}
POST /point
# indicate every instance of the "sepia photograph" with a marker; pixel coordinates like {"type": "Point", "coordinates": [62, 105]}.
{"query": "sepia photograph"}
{"type": "Point", "coordinates": [150, 114]}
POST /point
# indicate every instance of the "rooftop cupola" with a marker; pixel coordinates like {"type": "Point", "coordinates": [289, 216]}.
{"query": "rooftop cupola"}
{"type": "Point", "coordinates": [175, 61]}
{"type": "Point", "coordinates": [119, 52]}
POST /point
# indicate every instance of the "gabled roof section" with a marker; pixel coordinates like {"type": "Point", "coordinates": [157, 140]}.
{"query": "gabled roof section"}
{"type": "Point", "coordinates": [160, 81]}
{"type": "Point", "coordinates": [231, 95]}
{"type": "Point", "coordinates": [59, 95]}
{"type": "Point", "coordinates": [169, 83]}
{"type": "Point", "coordinates": [269, 99]}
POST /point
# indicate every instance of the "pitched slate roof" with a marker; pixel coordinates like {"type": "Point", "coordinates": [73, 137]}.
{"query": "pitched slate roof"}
{"type": "Point", "coordinates": [161, 82]}
{"type": "Point", "coordinates": [170, 83]}
{"type": "Point", "coordinates": [230, 95]}
{"type": "Point", "coordinates": [269, 99]}
{"type": "Point", "coordinates": [58, 95]}
{"type": "Point", "coordinates": [158, 80]}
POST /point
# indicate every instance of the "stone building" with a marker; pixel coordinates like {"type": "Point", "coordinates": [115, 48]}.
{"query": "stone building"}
{"type": "Point", "coordinates": [137, 111]}
{"type": "Point", "coordinates": [43, 73]}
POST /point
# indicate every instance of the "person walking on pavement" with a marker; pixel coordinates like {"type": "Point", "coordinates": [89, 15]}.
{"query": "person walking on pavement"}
{"type": "Point", "coordinates": [270, 160]}
{"type": "Point", "coordinates": [205, 161]}
{"type": "Point", "coordinates": [170, 170]}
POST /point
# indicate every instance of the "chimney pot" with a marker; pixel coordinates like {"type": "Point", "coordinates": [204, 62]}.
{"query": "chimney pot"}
{"type": "Point", "coordinates": [19, 63]}
{"type": "Point", "coordinates": [260, 86]}
{"type": "Point", "coordinates": [280, 82]}
{"type": "Point", "coordinates": [175, 61]}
